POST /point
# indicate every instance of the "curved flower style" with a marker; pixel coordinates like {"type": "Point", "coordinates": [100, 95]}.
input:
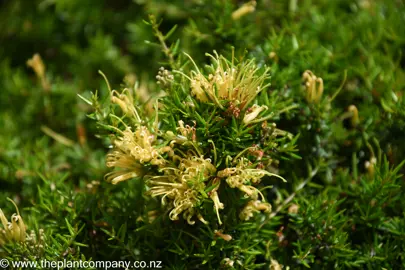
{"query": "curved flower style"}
{"type": "Point", "coordinates": [252, 207]}
{"type": "Point", "coordinates": [182, 186]}
{"type": "Point", "coordinates": [14, 231]}
{"type": "Point", "coordinates": [246, 8]}
{"type": "Point", "coordinates": [181, 176]}
{"type": "Point", "coordinates": [313, 87]}
{"type": "Point", "coordinates": [252, 113]}
{"type": "Point", "coordinates": [238, 84]}
{"type": "Point", "coordinates": [242, 177]}
{"type": "Point", "coordinates": [131, 150]}
{"type": "Point", "coordinates": [126, 103]}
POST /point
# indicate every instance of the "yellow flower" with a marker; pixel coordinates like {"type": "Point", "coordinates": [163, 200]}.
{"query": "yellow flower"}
{"type": "Point", "coordinates": [238, 84]}
{"type": "Point", "coordinates": [126, 103]}
{"type": "Point", "coordinates": [313, 87]}
{"type": "Point", "coordinates": [246, 8]}
{"type": "Point", "coordinates": [38, 66]}
{"type": "Point", "coordinates": [187, 131]}
{"type": "Point", "coordinates": [130, 168]}
{"type": "Point", "coordinates": [215, 198]}
{"type": "Point", "coordinates": [131, 151]}
{"type": "Point", "coordinates": [354, 120]}
{"type": "Point", "coordinates": [14, 231]}
{"type": "Point", "coordinates": [199, 87]}
{"type": "Point", "coordinates": [226, 237]}
{"type": "Point", "coordinates": [182, 185]}
{"type": "Point", "coordinates": [253, 113]}
{"type": "Point", "coordinates": [242, 177]}
{"type": "Point", "coordinates": [274, 265]}
{"type": "Point", "coordinates": [252, 207]}
{"type": "Point", "coordinates": [293, 209]}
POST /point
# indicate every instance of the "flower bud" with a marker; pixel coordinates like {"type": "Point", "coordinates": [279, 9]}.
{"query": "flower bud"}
{"type": "Point", "coordinates": [254, 112]}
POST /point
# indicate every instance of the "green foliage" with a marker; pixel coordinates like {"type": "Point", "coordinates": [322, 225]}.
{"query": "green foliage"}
{"type": "Point", "coordinates": [342, 154]}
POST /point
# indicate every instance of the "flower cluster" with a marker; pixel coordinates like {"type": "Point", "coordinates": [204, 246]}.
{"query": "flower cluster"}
{"type": "Point", "coordinates": [254, 206]}
{"type": "Point", "coordinates": [131, 150]}
{"type": "Point", "coordinates": [238, 84]}
{"type": "Point", "coordinates": [36, 241]}
{"type": "Point", "coordinates": [313, 87]}
{"type": "Point", "coordinates": [181, 186]}
{"type": "Point", "coordinates": [187, 131]}
{"type": "Point", "coordinates": [176, 166]}
{"type": "Point", "coordinates": [242, 177]}
{"type": "Point", "coordinates": [126, 103]}
{"type": "Point", "coordinates": [14, 231]}
{"type": "Point", "coordinates": [164, 78]}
